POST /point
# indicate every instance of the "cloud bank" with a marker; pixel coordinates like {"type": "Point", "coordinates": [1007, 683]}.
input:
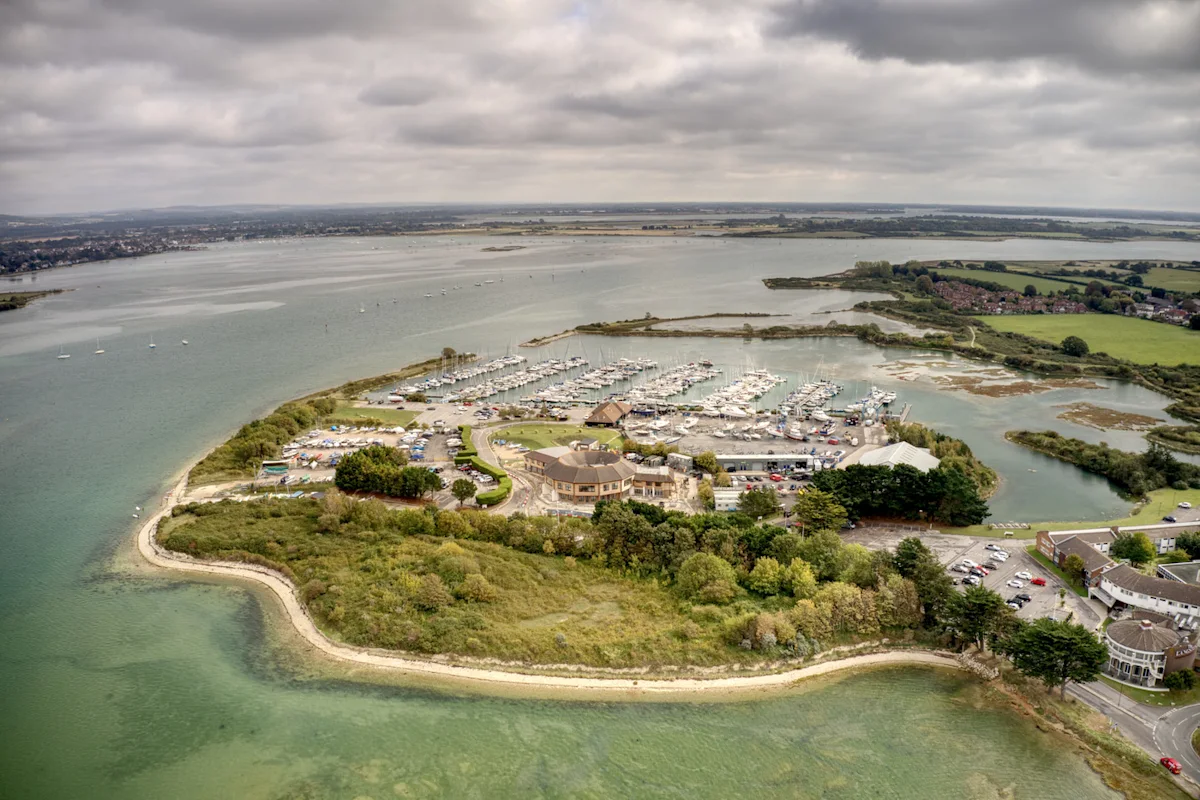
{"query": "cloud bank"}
{"type": "Point", "coordinates": [119, 103]}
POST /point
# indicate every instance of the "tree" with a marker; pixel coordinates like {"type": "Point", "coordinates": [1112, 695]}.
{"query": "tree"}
{"type": "Point", "coordinates": [766, 578]}
{"type": "Point", "coordinates": [707, 578]}
{"type": "Point", "coordinates": [1030, 290]}
{"type": "Point", "coordinates": [416, 397]}
{"type": "Point", "coordinates": [798, 578]}
{"type": "Point", "coordinates": [707, 461]}
{"type": "Point", "coordinates": [925, 284]}
{"type": "Point", "coordinates": [1134, 280]}
{"type": "Point", "coordinates": [448, 353]}
{"type": "Point", "coordinates": [463, 490]}
{"type": "Point", "coordinates": [819, 511]}
{"type": "Point", "coordinates": [1074, 346]}
{"type": "Point", "coordinates": [1189, 543]}
{"type": "Point", "coordinates": [823, 550]}
{"type": "Point", "coordinates": [1073, 566]}
{"type": "Point", "coordinates": [759, 502]}
{"type": "Point", "coordinates": [976, 615]}
{"type": "Point", "coordinates": [1056, 652]}
{"type": "Point", "coordinates": [705, 494]}
{"type": "Point", "coordinates": [915, 561]}
{"type": "Point", "coordinates": [1136, 547]}
{"type": "Point", "coordinates": [1194, 322]}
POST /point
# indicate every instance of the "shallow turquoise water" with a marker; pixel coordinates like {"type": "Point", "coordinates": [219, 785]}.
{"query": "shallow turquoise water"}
{"type": "Point", "coordinates": [117, 686]}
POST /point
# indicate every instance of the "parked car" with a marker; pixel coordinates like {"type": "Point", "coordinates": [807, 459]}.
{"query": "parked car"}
{"type": "Point", "coordinates": [979, 571]}
{"type": "Point", "coordinates": [971, 580]}
{"type": "Point", "coordinates": [1024, 575]}
{"type": "Point", "coordinates": [1015, 584]}
{"type": "Point", "coordinates": [1014, 606]}
{"type": "Point", "coordinates": [1023, 597]}
{"type": "Point", "coordinates": [992, 547]}
{"type": "Point", "coordinates": [1038, 581]}
{"type": "Point", "coordinates": [966, 562]}
{"type": "Point", "coordinates": [1185, 504]}
{"type": "Point", "coordinates": [991, 565]}
{"type": "Point", "coordinates": [776, 477]}
{"type": "Point", "coordinates": [963, 568]}
{"type": "Point", "coordinates": [1170, 518]}
{"type": "Point", "coordinates": [1171, 764]}
{"type": "Point", "coordinates": [1000, 555]}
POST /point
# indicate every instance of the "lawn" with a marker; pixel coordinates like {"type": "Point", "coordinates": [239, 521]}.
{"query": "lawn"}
{"type": "Point", "coordinates": [1013, 280]}
{"type": "Point", "coordinates": [1048, 564]}
{"type": "Point", "coordinates": [537, 436]}
{"type": "Point", "coordinates": [1161, 503]}
{"type": "Point", "coordinates": [1155, 698]}
{"type": "Point", "coordinates": [1182, 280]}
{"type": "Point", "coordinates": [389, 416]}
{"type": "Point", "coordinates": [1137, 340]}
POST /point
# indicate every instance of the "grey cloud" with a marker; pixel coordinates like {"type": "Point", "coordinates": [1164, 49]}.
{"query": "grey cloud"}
{"type": "Point", "coordinates": [1107, 35]}
{"type": "Point", "coordinates": [398, 92]}
{"type": "Point", "coordinates": [140, 102]}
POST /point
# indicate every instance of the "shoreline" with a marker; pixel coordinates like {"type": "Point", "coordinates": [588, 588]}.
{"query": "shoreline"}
{"type": "Point", "coordinates": [401, 664]}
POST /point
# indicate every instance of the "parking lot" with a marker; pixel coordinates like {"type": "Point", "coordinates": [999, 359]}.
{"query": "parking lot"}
{"type": "Point", "coordinates": [951, 550]}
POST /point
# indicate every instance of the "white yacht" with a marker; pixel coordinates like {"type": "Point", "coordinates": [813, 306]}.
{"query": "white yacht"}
{"type": "Point", "coordinates": [61, 354]}
{"type": "Point", "coordinates": [99, 349]}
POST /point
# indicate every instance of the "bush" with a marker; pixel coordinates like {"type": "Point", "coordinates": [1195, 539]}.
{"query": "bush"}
{"type": "Point", "coordinates": [707, 578]}
{"type": "Point", "coordinates": [476, 589]}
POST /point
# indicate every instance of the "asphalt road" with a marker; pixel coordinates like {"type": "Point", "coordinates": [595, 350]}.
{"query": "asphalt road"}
{"type": "Point", "coordinates": [1173, 737]}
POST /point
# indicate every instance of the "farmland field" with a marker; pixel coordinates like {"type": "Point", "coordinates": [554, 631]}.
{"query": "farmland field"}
{"type": "Point", "coordinates": [1138, 340]}
{"type": "Point", "coordinates": [1174, 280]}
{"type": "Point", "coordinates": [1013, 280]}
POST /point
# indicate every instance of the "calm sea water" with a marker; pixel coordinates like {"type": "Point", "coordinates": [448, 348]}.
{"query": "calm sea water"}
{"type": "Point", "coordinates": [116, 686]}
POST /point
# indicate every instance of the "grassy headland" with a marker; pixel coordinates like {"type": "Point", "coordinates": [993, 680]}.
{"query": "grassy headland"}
{"type": "Point", "coordinates": [10, 301]}
{"type": "Point", "coordinates": [635, 587]}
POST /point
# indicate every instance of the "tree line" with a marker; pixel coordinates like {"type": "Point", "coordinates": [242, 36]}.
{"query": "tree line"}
{"type": "Point", "coordinates": [1134, 473]}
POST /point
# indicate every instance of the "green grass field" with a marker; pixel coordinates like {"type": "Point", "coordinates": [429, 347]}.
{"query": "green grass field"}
{"type": "Point", "coordinates": [1137, 340]}
{"type": "Point", "coordinates": [1012, 280]}
{"type": "Point", "coordinates": [536, 436]}
{"type": "Point", "coordinates": [1174, 280]}
{"type": "Point", "coordinates": [1161, 503]}
{"type": "Point", "coordinates": [389, 416]}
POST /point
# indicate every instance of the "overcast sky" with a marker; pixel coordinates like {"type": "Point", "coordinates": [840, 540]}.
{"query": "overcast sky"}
{"type": "Point", "coordinates": [120, 103]}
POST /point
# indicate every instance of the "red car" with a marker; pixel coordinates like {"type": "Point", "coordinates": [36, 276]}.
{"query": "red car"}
{"type": "Point", "coordinates": [834, 441]}
{"type": "Point", "coordinates": [1038, 581]}
{"type": "Point", "coordinates": [776, 478]}
{"type": "Point", "coordinates": [1171, 764]}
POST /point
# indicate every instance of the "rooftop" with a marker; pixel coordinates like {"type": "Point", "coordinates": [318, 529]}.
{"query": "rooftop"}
{"type": "Point", "coordinates": [589, 466]}
{"type": "Point", "coordinates": [608, 413]}
{"type": "Point", "coordinates": [1142, 635]}
{"type": "Point", "coordinates": [1188, 572]}
{"type": "Point", "coordinates": [1131, 580]}
{"type": "Point", "coordinates": [901, 453]}
{"type": "Point", "coordinates": [1093, 559]}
